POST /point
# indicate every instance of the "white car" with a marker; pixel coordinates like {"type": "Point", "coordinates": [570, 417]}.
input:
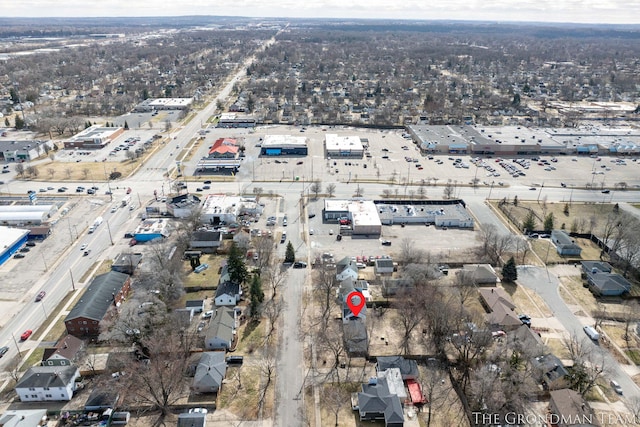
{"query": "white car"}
{"type": "Point", "coordinates": [311, 232]}
{"type": "Point", "coordinates": [113, 209]}
{"type": "Point", "coordinates": [83, 246]}
{"type": "Point", "coordinates": [198, 411]}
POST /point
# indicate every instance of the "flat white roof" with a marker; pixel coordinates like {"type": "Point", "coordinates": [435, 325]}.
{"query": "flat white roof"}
{"type": "Point", "coordinates": [335, 142]}
{"type": "Point", "coordinates": [364, 212]}
{"type": "Point", "coordinates": [284, 140]}
{"type": "Point", "coordinates": [94, 132]}
{"type": "Point", "coordinates": [336, 204]}
{"type": "Point", "coordinates": [220, 203]}
{"type": "Point", "coordinates": [9, 236]}
{"type": "Point", "coordinates": [26, 208]}
{"type": "Point", "coordinates": [171, 102]}
{"type": "Point", "coordinates": [152, 226]}
{"type": "Point", "coordinates": [23, 216]}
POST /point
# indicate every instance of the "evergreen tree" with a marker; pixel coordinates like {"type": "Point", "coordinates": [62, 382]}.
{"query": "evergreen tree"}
{"type": "Point", "coordinates": [6, 122]}
{"type": "Point", "coordinates": [529, 223]}
{"type": "Point", "coordinates": [566, 209]}
{"type": "Point", "coordinates": [548, 223]}
{"type": "Point", "coordinates": [235, 265]}
{"type": "Point", "coordinates": [13, 94]}
{"type": "Point", "coordinates": [290, 254]}
{"type": "Point", "coordinates": [509, 271]}
{"type": "Point", "coordinates": [256, 296]}
{"type": "Point", "coordinates": [515, 200]}
{"type": "Point", "coordinates": [19, 122]}
{"type": "Point", "coordinates": [126, 125]}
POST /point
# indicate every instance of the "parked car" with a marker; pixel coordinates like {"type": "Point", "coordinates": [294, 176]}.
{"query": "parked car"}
{"type": "Point", "coordinates": [198, 411]}
{"type": "Point", "coordinates": [616, 387]}
{"type": "Point", "coordinates": [30, 244]}
{"type": "Point", "coordinates": [234, 360]}
{"type": "Point", "coordinates": [526, 320]}
{"type": "Point", "coordinates": [25, 335]}
{"type": "Point", "coordinates": [40, 295]}
{"type": "Point", "coordinates": [24, 249]}
{"type": "Point", "coordinates": [18, 256]}
{"type": "Point", "coordinates": [299, 264]}
{"type": "Point", "coordinates": [3, 350]}
{"type": "Point", "coordinates": [386, 243]}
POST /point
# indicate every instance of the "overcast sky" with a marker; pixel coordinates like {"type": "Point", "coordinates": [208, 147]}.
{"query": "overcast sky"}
{"type": "Point", "coordinates": [583, 11]}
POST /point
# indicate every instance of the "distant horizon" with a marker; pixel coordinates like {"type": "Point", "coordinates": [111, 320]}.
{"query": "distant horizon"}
{"type": "Point", "coordinates": [589, 12]}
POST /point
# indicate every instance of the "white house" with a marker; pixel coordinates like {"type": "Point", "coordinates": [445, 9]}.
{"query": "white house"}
{"type": "Point", "coordinates": [346, 268]}
{"type": "Point", "coordinates": [47, 383]}
{"type": "Point", "coordinates": [227, 294]}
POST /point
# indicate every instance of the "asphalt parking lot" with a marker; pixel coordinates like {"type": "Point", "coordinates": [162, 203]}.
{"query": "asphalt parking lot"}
{"type": "Point", "coordinates": [388, 162]}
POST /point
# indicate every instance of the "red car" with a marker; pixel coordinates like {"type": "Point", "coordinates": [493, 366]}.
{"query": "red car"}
{"type": "Point", "coordinates": [25, 335]}
{"type": "Point", "coordinates": [129, 190]}
{"type": "Point", "coordinates": [40, 295]}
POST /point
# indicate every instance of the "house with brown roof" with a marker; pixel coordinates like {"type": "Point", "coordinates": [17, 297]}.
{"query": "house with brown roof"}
{"type": "Point", "coordinates": [567, 408]}
{"type": "Point", "coordinates": [500, 308]}
{"type": "Point", "coordinates": [478, 274]}
{"type": "Point", "coordinates": [64, 353]}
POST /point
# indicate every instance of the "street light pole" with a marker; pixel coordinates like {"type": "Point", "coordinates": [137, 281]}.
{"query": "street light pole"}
{"type": "Point", "coordinates": [45, 262]}
{"type": "Point", "coordinates": [73, 283]}
{"type": "Point", "coordinates": [109, 231]}
{"type": "Point", "coordinates": [16, 343]}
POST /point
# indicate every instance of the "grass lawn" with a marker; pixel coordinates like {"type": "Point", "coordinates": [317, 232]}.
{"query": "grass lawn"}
{"type": "Point", "coordinates": [208, 277]}
{"type": "Point", "coordinates": [527, 301]}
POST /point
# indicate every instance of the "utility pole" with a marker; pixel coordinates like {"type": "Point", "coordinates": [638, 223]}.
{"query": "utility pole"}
{"type": "Point", "coordinates": [16, 343]}
{"type": "Point", "coordinates": [109, 231]}
{"type": "Point", "coordinates": [73, 284]}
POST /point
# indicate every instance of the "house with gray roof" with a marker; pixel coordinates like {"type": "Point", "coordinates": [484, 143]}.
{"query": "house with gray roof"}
{"type": "Point", "coordinates": [550, 371]}
{"type": "Point", "coordinates": [376, 402]}
{"type": "Point", "coordinates": [47, 383]}
{"type": "Point", "coordinates": [608, 284]}
{"type": "Point", "coordinates": [383, 266]}
{"type": "Point", "coordinates": [195, 419]}
{"type": "Point", "coordinates": [222, 330]}
{"type": "Point", "coordinates": [346, 268]}
{"type": "Point", "coordinates": [210, 372]}
{"type": "Point", "coordinates": [565, 246]}
{"type": "Point", "coordinates": [478, 274]}
{"type": "Point", "coordinates": [23, 417]}
{"type": "Point", "coordinates": [126, 262]}
{"type": "Point", "coordinates": [227, 293]}
{"type": "Point", "coordinates": [590, 267]}
{"type": "Point", "coordinates": [104, 292]}
{"type": "Point", "coordinates": [356, 338]}
{"type": "Point", "coordinates": [207, 241]}
{"type": "Point", "coordinates": [408, 367]}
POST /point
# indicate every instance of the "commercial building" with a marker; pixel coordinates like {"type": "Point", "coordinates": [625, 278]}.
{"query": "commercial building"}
{"type": "Point", "coordinates": [343, 146]}
{"type": "Point", "coordinates": [93, 138]}
{"type": "Point", "coordinates": [25, 215]}
{"type": "Point", "coordinates": [11, 240]}
{"type": "Point", "coordinates": [232, 120]}
{"type": "Point", "coordinates": [223, 154]}
{"type": "Point", "coordinates": [151, 229]}
{"type": "Point", "coordinates": [182, 206]}
{"type": "Point", "coordinates": [23, 151]}
{"type": "Point", "coordinates": [361, 214]}
{"type": "Point", "coordinates": [151, 104]}
{"type": "Point", "coordinates": [444, 213]}
{"type": "Point", "coordinates": [222, 208]}
{"type": "Point", "coordinates": [284, 145]}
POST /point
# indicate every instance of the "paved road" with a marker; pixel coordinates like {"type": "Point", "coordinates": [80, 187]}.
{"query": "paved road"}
{"type": "Point", "coordinates": [546, 285]}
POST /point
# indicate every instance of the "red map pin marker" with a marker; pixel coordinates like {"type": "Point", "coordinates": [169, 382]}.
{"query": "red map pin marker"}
{"type": "Point", "coordinates": [355, 301]}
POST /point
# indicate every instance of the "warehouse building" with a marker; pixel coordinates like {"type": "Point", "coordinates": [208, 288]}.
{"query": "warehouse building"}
{"type": "Point", "coordinates": [446, 213]}
{"type": "Point", "coordinates": [93, 138]}
{"type": "Point", "coordinates": [284, 145]}
{"type": "Point", "coordinates": [343, 146]}
{"type": "Point", "coordinates": [11, 240]}
{"type": "Point", "coordinates": [26, 215]}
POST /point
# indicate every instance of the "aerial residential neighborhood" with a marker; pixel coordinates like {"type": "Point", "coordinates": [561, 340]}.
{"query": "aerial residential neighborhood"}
{"type": "Point", "coordinates": [270, 247]}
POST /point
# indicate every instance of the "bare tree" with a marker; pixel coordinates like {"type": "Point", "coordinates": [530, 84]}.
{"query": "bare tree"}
{"type": "Point", "coordinates": [333, 396]}
{"type": "Point", "coordinates": [449, 189]}
{"type": "Point", "coordinates": [410, 253]}
{"type": "Point", "coordinates": [68, 171]}
{"type": "Point", "coordinates": [436, 389]}
{"type": "Point", "coordinates": [410, 313]}
{"type": "Point", "coordinates": [315, 188]}
{"type": "Point", "coordinates": [331, 190]}
{"type": "Point", "coordinates": [265, 248]}
{"type": "Point", "coordinates": [274, 276]}
{"type": "Point", "coordinates": [267, 372]}
{"type": "Point", "coordinates": [19, 168]}
{"type": "Point", "coordinates": [494, 244]}
{"type": "Point", "coordinates": [330, 343]}
{"type": "Point", "coordinates": [589, 364]}
{"type": "Point", "coordinates": [51, 172]}
{"type": "Point", "coordinates": [32, 171]}
{"type": "Point", "coordinates": [325, 286]}
{"type": "Point", "coordinates": [272, 309]}
{"type": "Point", "coordinates": [160, 381]}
